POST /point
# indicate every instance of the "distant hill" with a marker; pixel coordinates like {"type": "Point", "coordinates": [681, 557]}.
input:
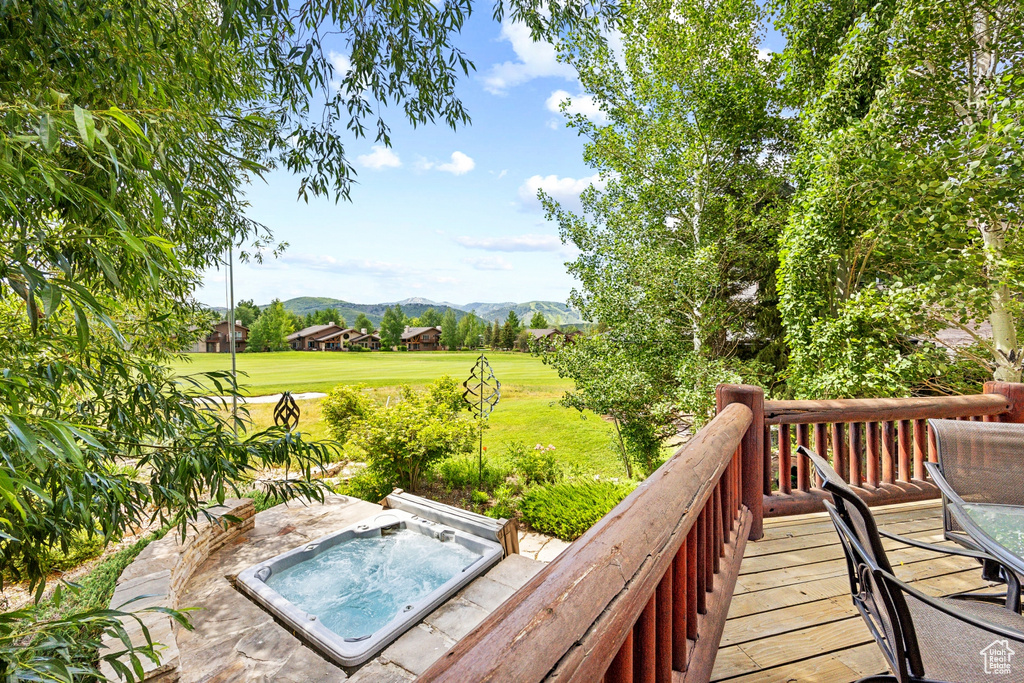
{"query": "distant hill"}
{"type": "Point", "coordinates": [554, 312]}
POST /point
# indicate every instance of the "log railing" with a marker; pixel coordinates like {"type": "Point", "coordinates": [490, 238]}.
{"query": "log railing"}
{"type": "Point", "coordinates": [878, 445]}
{"type": "Point", "coordinates": [643, 595]}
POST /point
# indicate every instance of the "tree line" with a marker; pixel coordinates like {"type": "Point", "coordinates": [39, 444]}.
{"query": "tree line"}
{"type": "Point", "coordinates": [270, 327]}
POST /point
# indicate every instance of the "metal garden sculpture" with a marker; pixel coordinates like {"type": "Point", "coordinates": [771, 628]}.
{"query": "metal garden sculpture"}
{"type": "Point", "coordinates": [483, 391]}
{"type": "Point", "coordinates": [286, 413]}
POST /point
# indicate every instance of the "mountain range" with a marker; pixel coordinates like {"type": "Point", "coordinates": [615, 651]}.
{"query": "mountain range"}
{"type": "Point", "coordinates": [556, 313]}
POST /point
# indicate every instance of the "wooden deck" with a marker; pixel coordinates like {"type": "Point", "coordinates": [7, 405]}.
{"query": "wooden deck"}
{"type": "Point", "coordinates": [792, 618]}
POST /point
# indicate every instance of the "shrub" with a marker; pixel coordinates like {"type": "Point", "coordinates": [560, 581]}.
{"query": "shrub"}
{"type": "Point", "coordinates": [506, 501]}
{"type": "Point", "coordinates": [535, 465]}
{"type": "Point", "coordinates": [480, 498]}
{"type": "Point", "coordinates": [366, 485]}
{"type": "Point", "coordinates": [463, 472]}
{"type": "Point", "coordinates": [344, 408]}
{"type": "Point", "coordinates": [568, 509]}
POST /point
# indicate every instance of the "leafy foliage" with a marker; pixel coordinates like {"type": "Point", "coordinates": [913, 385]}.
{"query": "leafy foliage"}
{"type": "Point", "coordinates": [677, 237]}
{"type": "Point", "coordinates": [270, 330]}
{"type": "Point", "coordinates": [537, 465]}
{"type": "Point", "coordinates": [402, 438]}
{"type": "Point", "coordinates": [391, 327]}
{"type": "Point", "coordinates": [907, 220]}
{"type": "Point", "coordinates": [568, 509]}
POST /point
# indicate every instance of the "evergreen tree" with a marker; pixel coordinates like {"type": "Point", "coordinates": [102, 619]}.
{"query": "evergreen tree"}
{"type": "Point", "coordinates": [538, 321]}
{"type": "Point", "coordinates": [510, 330]}
{"type": "Point", "coordinates": [363, 323]}
{"type": "Point", "coordinates": [450, 331]}
{"type": "Point", "coordinates": [391, 327]}
{"type": "Point", "coordinates": [496, 335]}
{"type": "Point", "coordinates": [487, 336]}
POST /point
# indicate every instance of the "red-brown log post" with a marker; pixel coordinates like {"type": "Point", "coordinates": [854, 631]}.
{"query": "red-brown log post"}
{"type": "Point", "coordinates": [751, 449]}
{"type": "Point", "coordinates": [1014, 392]}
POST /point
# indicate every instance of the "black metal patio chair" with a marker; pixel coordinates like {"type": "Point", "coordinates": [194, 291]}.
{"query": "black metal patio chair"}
{"type": "Point", "coordinates": [957, 639]}
{"type": "Point", "coordinates": [981, 462]}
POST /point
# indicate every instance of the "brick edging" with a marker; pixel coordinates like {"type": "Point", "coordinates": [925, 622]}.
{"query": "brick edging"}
{"type": "Point", "coordinates": [160, 573]}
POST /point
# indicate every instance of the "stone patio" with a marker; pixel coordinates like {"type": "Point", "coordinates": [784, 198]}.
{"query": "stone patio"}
{"type": "Point", "coordinates": [235, 640]}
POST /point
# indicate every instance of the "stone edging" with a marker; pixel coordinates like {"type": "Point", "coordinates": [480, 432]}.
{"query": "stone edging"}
{"type": "Point", "coordinates": [161, 572]}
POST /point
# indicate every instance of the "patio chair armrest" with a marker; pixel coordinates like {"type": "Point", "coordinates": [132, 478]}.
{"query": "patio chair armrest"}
{"type": "Point", "coordinates": [945, 550]}
{"type": "Point", "coordinates": [1012, 582]}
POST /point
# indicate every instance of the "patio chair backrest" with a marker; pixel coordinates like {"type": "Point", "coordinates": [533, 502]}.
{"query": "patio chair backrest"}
{"type": "Point", "coordinates": [884, 608]}
{"type": "Point", "coordinates": [853, 511]}
{"type": "Point", "coordinates": [982, 461]}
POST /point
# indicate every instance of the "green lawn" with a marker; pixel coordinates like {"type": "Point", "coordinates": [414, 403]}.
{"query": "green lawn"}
{"type": "Point", "coordinates": [271, 373]}
{"type": "Point", "coordinates": [528, 411]}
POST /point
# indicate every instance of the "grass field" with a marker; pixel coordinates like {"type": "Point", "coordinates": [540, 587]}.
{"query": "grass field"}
{"type": "Point", "coordinates": [528, 410]}
{"type": "Point", "coordinates": [271, 373]}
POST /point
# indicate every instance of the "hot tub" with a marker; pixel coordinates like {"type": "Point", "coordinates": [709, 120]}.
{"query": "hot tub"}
{"type": "Point", "coordinates": [351, 593]}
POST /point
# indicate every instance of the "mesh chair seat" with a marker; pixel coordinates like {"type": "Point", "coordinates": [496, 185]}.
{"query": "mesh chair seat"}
{"type": "Point", "coordinates": [953, 650]}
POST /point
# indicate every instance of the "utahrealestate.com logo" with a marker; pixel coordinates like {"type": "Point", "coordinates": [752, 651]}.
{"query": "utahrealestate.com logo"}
{"type": "Point", "coordinates": [997, 657]}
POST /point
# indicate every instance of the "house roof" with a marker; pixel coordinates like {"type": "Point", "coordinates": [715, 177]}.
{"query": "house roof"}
{"type": "Point", "coordinates": [372, 336]}
{"type": "Point", "coordinates": [335, 333]}
{"type": "Point", "coordinates": [237, 324]}
{"type": "Point", "coordinates": [310, 331]}
{"type": "Point", "coordinates": [543, 332]}
{"type": "Point", "coordinates": [415, 331]}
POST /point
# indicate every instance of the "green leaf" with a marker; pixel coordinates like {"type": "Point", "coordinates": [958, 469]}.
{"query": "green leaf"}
{"type": "Point", "coordinates": [86, 126]}
{"type": "Point", "coordinates": [48, 134]}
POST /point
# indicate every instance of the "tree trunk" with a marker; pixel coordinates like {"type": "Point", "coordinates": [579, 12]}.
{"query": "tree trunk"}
{"type": "Point", "coordinates": [1007, 353]}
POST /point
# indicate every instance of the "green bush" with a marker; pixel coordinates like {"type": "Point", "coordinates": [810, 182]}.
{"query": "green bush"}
{"type": "Point", "coordinates": [535, 465]}
{"type": "Point", "coordinates": [506, 501]}
{"type": "Point", "coordinates": [463, 472]}
{"type": "Point", "coordinates": [568, 509]}
{"type": "Point", "coordinates": [344, 408]}
{"type": "Point", "coordinates": [480, 497]}
{"type": "Point", "coordinates": [367, 485]}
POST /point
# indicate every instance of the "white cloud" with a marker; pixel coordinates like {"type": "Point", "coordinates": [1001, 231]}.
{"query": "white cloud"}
{"type": "Point", "coordinates": [764, 54]}
{"type": "Point", "coordinates": [488, 263]}
{"type": "Point", "coordinates": [513, 243]}
{"type": "Point", "coordinates": [578, 104]}
{"type": "Point", "coordinates": [329, 264]}
{"type": "Point", "coordinates": [503, 173]}
{"type": "Point", "coordinates": [566, 191]}
{"type": "Point", "coordinates": [380, 157]}
{"type": "Point", "coordinates": [459, 164]}
{"type": "Point", "coordinates": [341, 63]}
{"type": "Point", "coordinates": [536, 60]}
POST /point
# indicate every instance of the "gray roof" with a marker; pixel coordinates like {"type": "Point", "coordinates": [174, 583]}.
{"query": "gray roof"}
{"type": "Point", "coordinates": [309, 331]}
{"type": "Point", "coordinates": [413, 331]}
{"type": "Point", "coordinates": [542, 332]}
{"type": "Point", "coordinates": [334, 333]}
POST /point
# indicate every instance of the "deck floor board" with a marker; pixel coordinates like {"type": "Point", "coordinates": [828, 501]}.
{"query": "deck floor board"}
{"type": "Point", "coordinates": [791, 617]}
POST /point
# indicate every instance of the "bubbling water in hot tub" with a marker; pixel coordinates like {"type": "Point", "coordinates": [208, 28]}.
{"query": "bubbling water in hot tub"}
{"type": "Point", "coordinates": [358, 586]}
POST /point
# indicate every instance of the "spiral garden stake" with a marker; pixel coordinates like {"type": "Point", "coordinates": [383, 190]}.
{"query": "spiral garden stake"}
{"type": "Point", "coordinates": [286, 413]}
{"type": "Point", "coordinates": [483, 391]}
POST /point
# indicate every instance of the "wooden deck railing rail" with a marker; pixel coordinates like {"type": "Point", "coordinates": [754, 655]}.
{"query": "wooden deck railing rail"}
{"type": "Point", "coordinates": [878, 445]}
{"type": "Point", "coordinates": [643, 595]}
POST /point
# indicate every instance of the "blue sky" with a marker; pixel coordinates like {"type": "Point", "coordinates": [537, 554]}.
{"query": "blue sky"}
{"type": "Point", "coordinates": [445, 215]}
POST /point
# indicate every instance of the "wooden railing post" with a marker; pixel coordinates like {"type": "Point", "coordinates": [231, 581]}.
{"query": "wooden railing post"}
{"type": "Point", "coordinates": [751, 449]}
{"type": "Point", "coordinates": [1014, 392]}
